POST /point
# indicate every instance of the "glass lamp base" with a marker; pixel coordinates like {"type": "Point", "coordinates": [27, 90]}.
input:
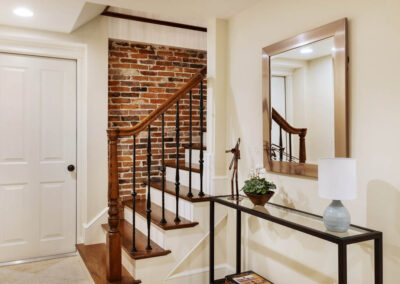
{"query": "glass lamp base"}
{"type": "Point", "coordinates": [337, 217]}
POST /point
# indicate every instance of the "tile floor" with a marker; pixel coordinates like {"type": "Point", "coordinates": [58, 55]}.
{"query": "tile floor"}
{"type": "Point", "coordinates": [67, 270]}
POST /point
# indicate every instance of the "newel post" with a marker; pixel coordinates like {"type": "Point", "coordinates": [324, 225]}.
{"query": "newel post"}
{"type": "Point", "coordinates": [113, 239]}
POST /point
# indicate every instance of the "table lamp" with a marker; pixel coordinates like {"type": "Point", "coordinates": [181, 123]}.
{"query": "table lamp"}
{"type": "Point", "coordinates": [337, 181]}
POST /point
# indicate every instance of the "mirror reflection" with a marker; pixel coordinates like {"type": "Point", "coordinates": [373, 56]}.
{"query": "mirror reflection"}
{"type": "Point", "coordinates": [302, 101]}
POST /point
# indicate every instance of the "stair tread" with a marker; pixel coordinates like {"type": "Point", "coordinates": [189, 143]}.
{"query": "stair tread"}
{"type": "Point", "coordinates": [183, 191]}
{"type": "Point", "coordinates": [94, 257]}
{"type": "Point", "coordinates": [156, 214]}
{"type": "Point", "coordinates": [125, 229]}
{"type": "Point", "coordinates": [195, 146]}
{"type": "Point", "coordinates": [183, 166]}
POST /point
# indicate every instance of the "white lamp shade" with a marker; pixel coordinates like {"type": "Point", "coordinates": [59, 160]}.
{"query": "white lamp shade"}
{"type": "Point", "coordinates": [337, 178]}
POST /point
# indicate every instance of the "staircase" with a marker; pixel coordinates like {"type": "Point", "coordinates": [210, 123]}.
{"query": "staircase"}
{"type": "Point", "coordinates": [147, 236]}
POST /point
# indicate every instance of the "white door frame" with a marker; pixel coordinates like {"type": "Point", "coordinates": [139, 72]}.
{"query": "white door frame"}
{"type": "Point", "coordinates": [74, 51]}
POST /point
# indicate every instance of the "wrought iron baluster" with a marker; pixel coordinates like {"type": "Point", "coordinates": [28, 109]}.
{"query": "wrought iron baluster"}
{"type": "Point", "coordinates": [148, 211]}
{"type": "Point", "coordinates": [280, 144]}
{"type": "Point", "coordinates": [163, 221]}
{"type": "Point", "coordinates": [134, 195]}
{"type": "Point", "coordinates": [190, 194]}
{"type": "Point", "coordinates": [177, 182]}
{"type": "Point", "coordinates": [290, 147]}
{"type": "Point", "coordinates": [201, 161]}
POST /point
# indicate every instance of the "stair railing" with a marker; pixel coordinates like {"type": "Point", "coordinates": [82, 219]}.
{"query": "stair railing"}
{"type": "Point", "coordinates": [113, 239]}
{"type": "Point", "coordinates": [284, 125]}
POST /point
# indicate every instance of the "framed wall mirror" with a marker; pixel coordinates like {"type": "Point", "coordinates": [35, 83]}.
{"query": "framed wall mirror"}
{"type": "Point", "coordinates": [305, 108]}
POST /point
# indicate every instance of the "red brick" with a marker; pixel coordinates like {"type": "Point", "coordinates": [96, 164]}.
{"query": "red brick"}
{"type": "Point", "coordinates": [121, 65]}
{"type": "Point", "coordinates": [154, 74]}
{"type": "Point", "coordinates": [136, 55]}
{"type": "Point", "coordinates": [169, 74]}
{"type": "Point", "coordinates": [156, 90]}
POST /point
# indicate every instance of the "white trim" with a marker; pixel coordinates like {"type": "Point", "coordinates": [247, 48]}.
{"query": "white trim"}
{"type": "Point", "coordinates": [29, 260]}
{"type": "Point", "coordinates": [227, 269]}
{"type": "Point", "coordinates": [96, 218]}
{"type": "Point", "coordinates": [170, 275]}
{"type": "Point", "coordinates": [64, 50]}
{"type": "Point", "coordinates": [93, 231]}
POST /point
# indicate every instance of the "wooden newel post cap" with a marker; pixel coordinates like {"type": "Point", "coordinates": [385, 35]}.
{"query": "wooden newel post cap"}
{"type": "Point", "coordinates": [113, 133]}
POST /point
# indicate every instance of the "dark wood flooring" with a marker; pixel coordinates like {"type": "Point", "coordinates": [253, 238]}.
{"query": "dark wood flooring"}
{"type": "Point", "coordinates": [156, 214]}
{"type": "Point", "coordinates": [94, 257]}
{"type": "Point", "coordinates": [183, 191]}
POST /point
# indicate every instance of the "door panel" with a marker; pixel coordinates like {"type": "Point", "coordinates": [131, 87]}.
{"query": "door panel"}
{"type": "Point", "coordinates": [13, 81]}
{"type": "Point", "coordinates": [38, 115]}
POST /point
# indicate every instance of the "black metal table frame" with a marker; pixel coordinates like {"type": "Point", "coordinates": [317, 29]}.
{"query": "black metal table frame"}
{"type": "Point", "coordinates": [341, 242]}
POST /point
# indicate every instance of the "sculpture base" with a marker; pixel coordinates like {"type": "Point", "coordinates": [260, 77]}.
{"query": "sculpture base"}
{"type": "Point", "coordinates": [235, 197]}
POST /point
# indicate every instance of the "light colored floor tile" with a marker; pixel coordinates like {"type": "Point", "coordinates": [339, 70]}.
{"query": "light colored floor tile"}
{"type": "Point", "coordinates": [55, 271]}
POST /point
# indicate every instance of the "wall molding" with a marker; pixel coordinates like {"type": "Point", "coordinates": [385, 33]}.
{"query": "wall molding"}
{"type": "Point", "coordinates": [93, 232]}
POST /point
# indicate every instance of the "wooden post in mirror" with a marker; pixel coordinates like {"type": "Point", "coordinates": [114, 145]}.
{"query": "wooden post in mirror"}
{"type": "Point", "coordinates": [305, 100]}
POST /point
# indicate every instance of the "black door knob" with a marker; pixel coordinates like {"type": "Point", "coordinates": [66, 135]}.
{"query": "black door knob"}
{"type": "Point", "coordinates": [71, 168]}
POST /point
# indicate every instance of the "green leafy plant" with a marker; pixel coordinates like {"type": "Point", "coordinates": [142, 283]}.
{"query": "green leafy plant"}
{"type": "Point", "coordinates": [258, 185]}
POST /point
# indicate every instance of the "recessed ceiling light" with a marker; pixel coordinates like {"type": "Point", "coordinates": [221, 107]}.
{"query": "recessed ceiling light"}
{"type": "Point", "coordinates": [306, 50]}
{"type": "Point", "coordinates": [23, 12]}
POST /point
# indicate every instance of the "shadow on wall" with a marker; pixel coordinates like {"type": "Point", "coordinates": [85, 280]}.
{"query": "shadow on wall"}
{"type": "Point", "coordinates": [247, 144]}
{"type": "Point", "coordinates": [293, 264]}
{"type": "Point", "coordinates": [383, 210]}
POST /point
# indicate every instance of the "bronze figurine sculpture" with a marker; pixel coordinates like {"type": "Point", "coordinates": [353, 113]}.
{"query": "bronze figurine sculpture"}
{"type": "Point", "coordinates": [234, 163]}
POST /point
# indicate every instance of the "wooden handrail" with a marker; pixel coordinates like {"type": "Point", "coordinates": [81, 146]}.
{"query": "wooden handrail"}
{"type": "Point", "coordinates": [286, 126]}
{"type": "Point", "coordinates": [292, 130]}
{"type": "Point", "coordinates": [130, 131]}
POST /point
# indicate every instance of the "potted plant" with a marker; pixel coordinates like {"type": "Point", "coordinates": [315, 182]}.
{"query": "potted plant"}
{"type": "Point", "coordinates": [257, 188]}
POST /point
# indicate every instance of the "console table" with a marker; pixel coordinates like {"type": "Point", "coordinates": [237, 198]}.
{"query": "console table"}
{"type": "Point", "coordinates": [307, 223]}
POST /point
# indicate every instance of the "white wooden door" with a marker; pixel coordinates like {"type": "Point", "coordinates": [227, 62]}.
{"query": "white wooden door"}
{"type": "Point", "coordinates": [37, 143]}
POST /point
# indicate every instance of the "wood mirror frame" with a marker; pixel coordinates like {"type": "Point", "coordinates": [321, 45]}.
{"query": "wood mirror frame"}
{"type": "Point", "coordinates": [337, 30]}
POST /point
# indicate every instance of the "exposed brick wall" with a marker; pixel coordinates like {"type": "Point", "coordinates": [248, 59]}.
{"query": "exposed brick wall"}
{"type": "Point", "coordinates": [141, 78]}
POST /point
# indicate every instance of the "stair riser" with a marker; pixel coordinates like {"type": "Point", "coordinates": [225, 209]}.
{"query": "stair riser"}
{"type": "Point", "coordinates": [156, 234]}
{"type": "Point", "coordinates": [185, 207]}
{"type": "Point", "coordinates": [195, 156]}
{"type": "Point", "coordinates": [183, 177]}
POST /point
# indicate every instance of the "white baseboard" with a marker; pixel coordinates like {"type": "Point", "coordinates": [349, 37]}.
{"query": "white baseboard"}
{"type": "Point", "coordinates": [93, 233]}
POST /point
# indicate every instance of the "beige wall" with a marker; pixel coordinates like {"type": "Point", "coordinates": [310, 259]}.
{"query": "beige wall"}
{"type": "Point", "coordinates": [374, 26]}
{"type": "Point", "coordinates": [312, 97]}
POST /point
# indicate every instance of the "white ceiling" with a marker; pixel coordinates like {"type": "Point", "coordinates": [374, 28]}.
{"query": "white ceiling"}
{"type": "Point", "coordinates": [184, 9]}
{"type": "Point", "coordinates": [51, 15]}
{"type": "Point", "coordinates": [67, 15]}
